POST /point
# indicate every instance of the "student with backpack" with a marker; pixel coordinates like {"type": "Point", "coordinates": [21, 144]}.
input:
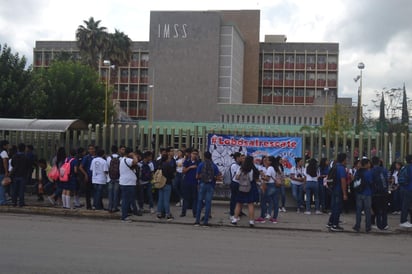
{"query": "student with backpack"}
{"type": "Point", "coordinates": [206, 173]}
{"type": "Point", "coordinates": [84, 168]}
{"type": "Point", "coordinates": [99, 171]}
{"type": "Point", "coordinates": [190, 182]}
{"type": "Point", "coordinates": [362, 187]}
{"type": "Point", "coordinates": [246, 177]}
{"type": "Point", "coordinates": [405, 182]}
{"type": "Point", "coordinates": [146, 169]}
{"type": "Point", "coordinates": [113, 162]}
{"type": "Point", "coordinates": [69, 180]}
{"type": "Point", "coordinates": [379, 194]}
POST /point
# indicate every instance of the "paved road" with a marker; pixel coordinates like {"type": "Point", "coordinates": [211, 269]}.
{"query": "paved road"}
{"type": "Point", "coordinates": [50, 244]}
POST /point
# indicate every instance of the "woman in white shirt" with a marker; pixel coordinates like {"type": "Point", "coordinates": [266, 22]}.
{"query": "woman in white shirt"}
{"type": "Point", "coordinates": [312, 187]}
{"type": "Point", "coordinates": [297, 177]}
{"type": "Point", "coordinates": [178, 180]}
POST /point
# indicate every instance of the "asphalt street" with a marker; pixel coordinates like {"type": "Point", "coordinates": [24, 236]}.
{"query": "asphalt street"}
{"type": "Point", "coordinates": [56, 244]}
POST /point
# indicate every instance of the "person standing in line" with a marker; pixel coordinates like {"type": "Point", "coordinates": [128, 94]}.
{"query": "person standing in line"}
{"type": "Point", "coordinates": [20, 170]}
{"type": "Point", "coordinates": [87, 174]}
{"type": "Point", "coordinates": [99, 170]}
{"type": "Point", "coordinates": [339, 193]}
{"type": "Point", "coordinates": [394, 187]}
{"type": "Point", "coordinates": [297, 176]}
{"type": "Point", "coordinates": [280, 160]}
{"type": "Point", "coordinates": [207, 172]}
{"type": "Point", "coordinates": [144, 189]}
{"type": "Point", "coordinates": [323, 173]}
{"type": "Point", "coordinates": [69, 187]}
{"type": "Point", "coordinates": [379, 194]}
{"type": "Point", "coordinates": [190, 183]}
{"type": "Point", "coordinates": [177, 182]}
{"type": "Point", "coordinates": [234, 185]}
{"type": "Point", "coordinates": [312, 187]}
{"type": "Point", "coordinates": [406, 194]}
{"type": "Point", "coordinates": [168, 171]}
{"type": "Point", "coordinates": [127, 182]}
{"type": "Point", "coordinates": [4, 169]}
{"type": "Point", "coordinates": [363, 195]}
{"type": "Point", "coordinates": [58, 161]}
{"type": "Point", "coordinates": [249, 171]}
{"type": "Point", "coordinates": [114, 175]}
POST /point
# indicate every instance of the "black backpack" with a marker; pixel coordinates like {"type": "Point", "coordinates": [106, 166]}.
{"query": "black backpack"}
{"type": "Point", "coordinates": [379, 182]}
{"type": "Point", "coordinates": [332, 178]}
{"type": "Point", "coordinates": [358, 182]}
{"type": "Point", "coordinates": [114, 172]}
{"type": "Point", "coordinates": [145, 172]}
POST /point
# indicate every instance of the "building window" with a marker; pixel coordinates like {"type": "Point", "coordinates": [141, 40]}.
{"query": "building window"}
{"type": "Point", "coordinates": [237, 119]}
{"type": "Point", "coordinates": [263, 119]}
{"type": "Point", "coordinates": [304, 120]}
{"type": "Point", "coordinates": [300, 120]}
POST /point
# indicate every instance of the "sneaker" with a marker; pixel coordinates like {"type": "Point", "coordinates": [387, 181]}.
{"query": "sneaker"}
{"type": "Point", "coordinates": [233, 222]}
{"type": "Point", "coordinates": [356, 229]}
{"type": "Point", "coordinates": [206, 225]}
{"type": "Point", "coordinates": [406, 225]}
{"type": "Point", "coordinates": [260, 220]}
{"type": "Point", "coordinates": [336, 228]}
{"type": "Point", "coordinates": [178, 204]}
{"type": "Point", "coordinates": [267, 216]}
{"type": "Point", "coordinates": [307, 213]}
{"type": "Point", "coordinates": [196, 224]}
{"type": "Point", "coordinates": [386, 227]}
{"type": "Point", "coordinates": [251, 223]}
{"type": "Point", "coordinates": [273, 220]}
{"type": "Point", "coordinates": [374, 227]}
{"type": "Point", "coordinates": [170, 217]}
{"type": "Point", "coordinates": [159, 216]}
{"type": "Point", "coordinates": [283, 209]}
{"type": "Point", "coordinates": [328, 225]}
{"type": "Point", "coordinates": [152, 211]}
{"type": "Point", "coordinates": [318, 212]}
{"type": "Point", "coordinates": [127, 220]}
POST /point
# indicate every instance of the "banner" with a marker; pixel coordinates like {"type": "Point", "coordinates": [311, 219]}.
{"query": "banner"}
{"type": "Point", "coordinates": [222, 146]}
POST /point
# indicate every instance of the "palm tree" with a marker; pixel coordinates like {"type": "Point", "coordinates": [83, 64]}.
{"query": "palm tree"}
{"type": "Point", "coordinates": [92, 40]}
{"type": "Point", "coordinates": [119, 49]}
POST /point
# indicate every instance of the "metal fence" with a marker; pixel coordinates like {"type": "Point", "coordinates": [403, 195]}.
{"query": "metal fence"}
{"type": "Point", "coordinates": [389, 147]}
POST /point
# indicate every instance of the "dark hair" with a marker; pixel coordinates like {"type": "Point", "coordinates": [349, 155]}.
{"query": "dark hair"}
{"type": "Point", "coordinates": [408, 158]}
{"type": "Point", "coordinates": [375, 161]}
{"type": "Point", "coordinates": [297, 160]}
{"type": "Point", "coordinates": [147, 154]}
{"type": "Point", "coordinates": [128, 150]}
{"type": "Point", "coordinates": [207, 155]}
{"type": "Point", "coordinates": [60, 155]}
{"type": "Point", "coordinates": [364, 162]}
{"type": "Point", "coordinates": [114, 149]}
{"type": "Point", "coordinates": [21, 147]}
{"type": "Point", "coordinates": [42, 161]}
{"type": "Point", "coordinates": [100, 152]}
{"type": "Point", "coordinates": [72, 152]}
{"type": "Point", "coordinates": [3, 143]}
{"type": "Point", "coordinates": [341, 157]}
{"type": "Point", "coordinates": [80, 151]}
{"type": "Point", "coordinates": [312, 168]}
{"type": "Point", "coordinates": [247, 164]}
{"type": "Point", "coordinates": [322, 163]}
{"type": "Point", "coordinates": [235, 155]}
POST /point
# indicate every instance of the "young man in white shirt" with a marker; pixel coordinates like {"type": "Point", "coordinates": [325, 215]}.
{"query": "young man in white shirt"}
{"type": "Point", "coordinates": [99, 171]}
{"type": "Point", "coordinates": [127, 182]}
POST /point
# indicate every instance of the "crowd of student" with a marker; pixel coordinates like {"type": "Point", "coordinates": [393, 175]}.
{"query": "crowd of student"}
{"type": "Point", "coordinates": [126, 176]}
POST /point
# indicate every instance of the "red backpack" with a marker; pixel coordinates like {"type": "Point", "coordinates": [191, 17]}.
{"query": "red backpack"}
{"type": "Point", "coordinates": [64, 170]}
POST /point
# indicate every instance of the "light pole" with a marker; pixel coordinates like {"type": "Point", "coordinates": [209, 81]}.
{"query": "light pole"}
{"type": "Point", "coordinates": [326, 89]}
{"type": "Point", "coordinates": [108, 66]}
{"type": "Point", "coordinates": [151, 99]}
{"type": "Point", "coordinates": [361, 66]}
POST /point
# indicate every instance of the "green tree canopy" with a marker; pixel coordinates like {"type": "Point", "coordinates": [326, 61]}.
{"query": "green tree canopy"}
{"type": "Point", "coordinates": [73, 92]}
{"type": "Point", "coordinates": [337, 119]}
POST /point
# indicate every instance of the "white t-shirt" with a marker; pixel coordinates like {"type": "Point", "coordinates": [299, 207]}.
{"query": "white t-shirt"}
{"type": "Point", "coordinates": [99, 170]}
{"type": "Point", "coordinates": [297, 171]}
{"type": "Point", "coordinates": [271, 173]}
{"type": "Point", "coordinates": [310, 178]}
{"type": "Point", "coordinates": [127, 175]}
{"type": "Point", "coordinates": [234, 169]}
{"type": "Point", "coordinates": [3, 155]}
{"type": "Point", "coordinates": [151, 166]}
{"type": "Point", "coordinates": [179, 165]}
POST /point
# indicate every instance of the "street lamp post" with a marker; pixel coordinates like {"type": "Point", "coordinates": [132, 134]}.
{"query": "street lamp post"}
{"type": "Point", "coordinates": [108, 66]}
{"type": "Point", "coordinates": [361, 66]}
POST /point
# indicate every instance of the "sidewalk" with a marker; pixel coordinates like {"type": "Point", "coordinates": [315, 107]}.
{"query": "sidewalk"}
{"type": "Point", "coordinates": [286, 221]}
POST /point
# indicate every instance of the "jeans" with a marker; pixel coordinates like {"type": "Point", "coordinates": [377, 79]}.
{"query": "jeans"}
{"type": "Point", "coordinates": [163, 205]}
{"type": "Point", "coordinates": [336, 207]}
{"type": "Point", "coordinates": [177, 185]}
{"type": "Point", "coordinates": [88, 187]}
{"type": "Point", "coordinates": [363, 202]}
{"type": "Point", "coordinates": [312, 188]}
{"type": "Point", "coordinates": [297, 193]}
{"type": "Point", "coordinates": [234, 190]}
{"type": "Point", "coordinates": [128, 199]}
{"type": "Point", "coordinates": [283, 195]}
{"type": "Point", "coordinates": [97, 196]}
{"type": "Point", "coordinates": [380, 209]}
{"type": "Point", "coordinates": [145, 190]}
{"type": "Point", "coordinates": [190, 195]}
{"type": "Point", "coordinates": [3, 200]}
{"type": "Point", "coordinates": [322, 194]}
{"type": "Point", "coordinates": [270, 201]}
{"type": "Point", "coordinates": [406, 203]}
{"type": "Point", "coordinates": [113, 191]}
{"type": "Point", "coordinates": [17, 190]}
{"type": "Point", "coordinates": [396, 200]}
{"type": "Point", "coordinates": [205, 194]}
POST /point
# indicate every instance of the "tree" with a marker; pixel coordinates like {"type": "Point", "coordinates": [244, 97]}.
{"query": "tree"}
{"type": "Point", "coordinates": [405, 114]}
{"type": "Point", "coordinates": [92, 40]}
{"type": "Point", "coordinates": [119, 49]}
{"type": "Point", "coordinates": [18, 99]}
{"type": "Point", "coordinates": [74, 91]}
{"type": "Point", "coordinates": [381, 125]}
{"type": "Point", "coordinates": [337, 119]}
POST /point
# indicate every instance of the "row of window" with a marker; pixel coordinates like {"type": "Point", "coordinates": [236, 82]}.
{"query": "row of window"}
{"type": "Point", "coordinates": [279, 120]}
{"type": "Point", "coordinates": [281, 58]}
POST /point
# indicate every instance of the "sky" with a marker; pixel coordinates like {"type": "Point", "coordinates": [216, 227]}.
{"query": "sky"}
{"type": "Point", "coordinates": [375, 32]}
